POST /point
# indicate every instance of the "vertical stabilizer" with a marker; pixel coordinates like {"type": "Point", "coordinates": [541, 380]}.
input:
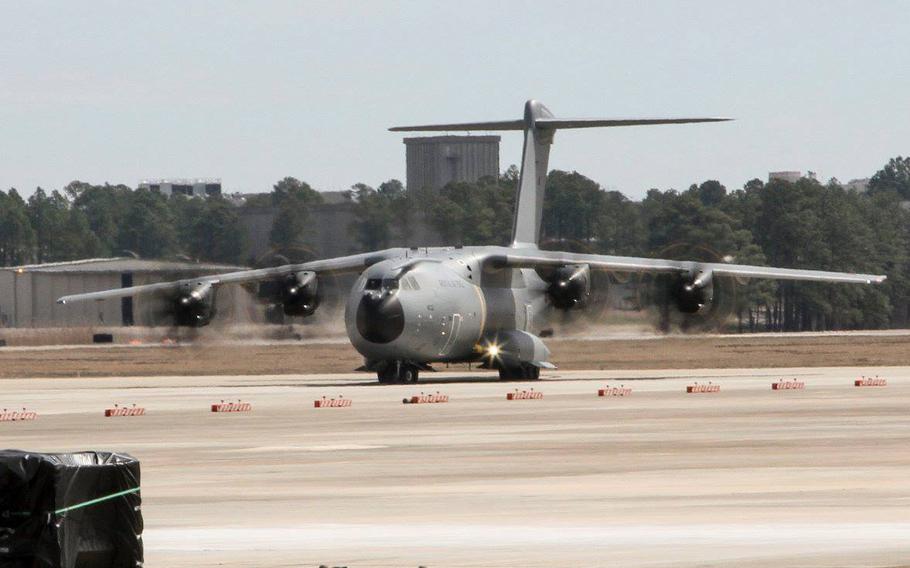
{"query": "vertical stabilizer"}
{"type": "Point", "coordinates": [533, 179]}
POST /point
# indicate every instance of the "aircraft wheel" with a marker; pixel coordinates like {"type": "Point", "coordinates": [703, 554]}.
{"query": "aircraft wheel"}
{"type": "Point", "coordinates": [397, 372]}
{"type": "Point", "coordinates": [408, 374]}
{"type": "Point", "coordinates": [510, 373]}
{"type": "Point", "coordinates": [387, 375]}
{"type": "Point", "coordinates": [523, 373]}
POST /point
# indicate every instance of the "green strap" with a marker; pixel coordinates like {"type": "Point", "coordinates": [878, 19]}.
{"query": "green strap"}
{"type": "Point", "coordinates": [95, 501]}
{"type": "Point", "coordinates": [76, 506]}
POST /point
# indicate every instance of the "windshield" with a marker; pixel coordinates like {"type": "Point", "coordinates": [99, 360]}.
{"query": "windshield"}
{"type": "Point", "coordinates": [381, 284]}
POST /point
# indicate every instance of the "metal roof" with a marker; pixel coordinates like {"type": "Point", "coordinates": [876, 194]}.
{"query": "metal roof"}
{"type": "Point", "coordinates": [179, 181]}
{"type": "Point", "coordinates": [450, 139]}
{"type": "Point", "coordinates": [122, 264]}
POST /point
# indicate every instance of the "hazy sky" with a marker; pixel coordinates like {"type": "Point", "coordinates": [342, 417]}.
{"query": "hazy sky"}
{"type": "Point", "coordinates": [254, 91]}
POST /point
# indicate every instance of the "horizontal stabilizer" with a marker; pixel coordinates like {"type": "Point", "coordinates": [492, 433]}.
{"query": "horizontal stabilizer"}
{"type": "Point", "coordinates": [607, 122]}
{"type": "Point", "coordinates": [552, 123]}
{"type": "Point", "coordinates": [494, 125]}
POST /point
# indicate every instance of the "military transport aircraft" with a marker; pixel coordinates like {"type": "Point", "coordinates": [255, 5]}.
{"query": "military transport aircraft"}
{"type": "Point", "coordinates": [412, 307]}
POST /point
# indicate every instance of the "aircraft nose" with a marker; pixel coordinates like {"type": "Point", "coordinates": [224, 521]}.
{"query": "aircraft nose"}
{"type": "Point", "coordinates": [380, 317]}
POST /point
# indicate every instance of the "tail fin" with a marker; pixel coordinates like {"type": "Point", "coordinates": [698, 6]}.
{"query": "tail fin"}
{"type": "Point", "coordinates": [539, 126]}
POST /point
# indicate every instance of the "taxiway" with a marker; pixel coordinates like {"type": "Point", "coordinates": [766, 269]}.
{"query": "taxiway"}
{"type": "Point", "coordinates": [814, 477]}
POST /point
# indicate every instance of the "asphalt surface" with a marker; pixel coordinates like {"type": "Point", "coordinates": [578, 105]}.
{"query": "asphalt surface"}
{"type": "Point", "coordinates": [746, 476]}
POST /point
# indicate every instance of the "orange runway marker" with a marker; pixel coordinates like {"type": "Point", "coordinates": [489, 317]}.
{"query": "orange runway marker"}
{"type": "Point", "coordinates": [524, 395]}
{"type": "Point", "coordinates": [17, 415]}
{"type": "Point", "coordinates": [332, 402]}
{"type": "Point", "coordinates": [870, 382]}
{"type": "Point", "coordinates": [788, 385]}
{"type": "Point", "coordinates": [426, 399]}
{"type": "Point", "coordinates": [703, 388]}
{"type": "Point", "coordinates": [124, 411]}
{"type": "Point", "coordinates": [232, 407]}
{"type": "Point", "coordinates": [614, 391]}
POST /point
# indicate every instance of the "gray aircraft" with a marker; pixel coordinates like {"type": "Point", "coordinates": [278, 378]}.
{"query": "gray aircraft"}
{"type": "Point", "coordinates": [487, 304]}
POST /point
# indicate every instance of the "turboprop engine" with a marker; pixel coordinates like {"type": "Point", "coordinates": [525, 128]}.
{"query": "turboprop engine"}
{"type": "Point", "coordinates": [569, 286]}
{"type": "Point", "coordinates": [692, 294]}
{"type": "Point", "coordinates": [193, 305]}
{"type": "Point", "coordinates": [298, 293]}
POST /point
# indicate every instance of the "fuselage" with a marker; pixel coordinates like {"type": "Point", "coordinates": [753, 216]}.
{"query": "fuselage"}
{"type": "Point", "coordinates": [433, 305]}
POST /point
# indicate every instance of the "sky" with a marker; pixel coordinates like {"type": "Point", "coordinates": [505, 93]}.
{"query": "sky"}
{"type": "Point", "coordinates": [252, 92]}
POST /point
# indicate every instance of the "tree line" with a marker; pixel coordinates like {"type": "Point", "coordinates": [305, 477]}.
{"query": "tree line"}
{"type": "Point", "coordinates": [806, 224]}
{"type": "Point", "coordinates": [88, 221]}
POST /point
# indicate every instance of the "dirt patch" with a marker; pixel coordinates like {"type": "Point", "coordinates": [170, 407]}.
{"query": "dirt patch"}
{"type": "Point", "coordinates": [297, 358]}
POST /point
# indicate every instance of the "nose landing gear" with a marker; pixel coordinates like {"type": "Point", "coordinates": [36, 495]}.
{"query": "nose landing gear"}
{"type": "Point", "coordinates": [398, 372]}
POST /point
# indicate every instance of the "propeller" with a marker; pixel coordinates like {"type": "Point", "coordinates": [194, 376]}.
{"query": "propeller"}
{"type": "Point", "coordinates": [184, 310]}
{"type": "Point", "coordinates": [695, 301]}
{"type": "Point", "coordinates": [576, 286]}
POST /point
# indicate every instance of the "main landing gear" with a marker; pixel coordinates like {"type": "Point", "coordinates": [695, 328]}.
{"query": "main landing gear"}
{"type": "Point", "coordinates": [525, 372]}
{"type": "Point", "coordinates": [398, 372]}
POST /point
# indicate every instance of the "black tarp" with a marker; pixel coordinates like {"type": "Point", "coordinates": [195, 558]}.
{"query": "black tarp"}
{"type": "Point", "coordinates": [79, 510]}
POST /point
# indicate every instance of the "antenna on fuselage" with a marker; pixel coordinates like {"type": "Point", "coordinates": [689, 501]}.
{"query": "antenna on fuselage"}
{"type": "Point", "coordinates": [539, 126]}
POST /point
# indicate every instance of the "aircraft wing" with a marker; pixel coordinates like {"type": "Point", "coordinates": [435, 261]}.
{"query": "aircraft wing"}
{"type": "Point", "coordinates": [543, 258]}
{"type": "Point", "coordinates": [353, 263]}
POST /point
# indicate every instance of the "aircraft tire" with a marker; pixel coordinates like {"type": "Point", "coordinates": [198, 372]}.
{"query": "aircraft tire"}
{"type": "Point", "coordinates": [510, 374]}
{"type": "Point", "coordinates": [408, 374]}
{"type": "Point", "coordinates": [397, 372]}
{"type": "Point", "coordinates": [386, 376]}
{"type": "Point", "coordinates": [525, 372]}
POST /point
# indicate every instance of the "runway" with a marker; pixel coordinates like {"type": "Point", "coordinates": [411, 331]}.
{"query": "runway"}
{"type": "Point", "coordinates": [751, 476]}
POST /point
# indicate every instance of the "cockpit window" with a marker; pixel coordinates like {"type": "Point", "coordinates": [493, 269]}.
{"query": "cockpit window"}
{"type": "Point", "coordinates": [381, 284]}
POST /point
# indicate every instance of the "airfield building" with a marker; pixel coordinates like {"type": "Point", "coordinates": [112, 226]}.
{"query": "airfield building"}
{"type": "Point", "coordinates": [788, 176]}
{"type": "Point", "coordinates": [28, 294]}
{"type": "Point", "coordinates": [196, 187]}
{"type": "Point", "coordinates": [434, 161]}
{"type": "Point", "coordinates": [858, 185]}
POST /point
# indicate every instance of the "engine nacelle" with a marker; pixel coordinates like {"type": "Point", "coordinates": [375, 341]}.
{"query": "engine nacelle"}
{"type": "Point", "coordinates": [569, 286]}
{"type": "Point", "coordinates": [692, 294]}
{"type": "Point", "coordinates": [194, 305]}
{"type": "Point", "coordinates": [299, 294]}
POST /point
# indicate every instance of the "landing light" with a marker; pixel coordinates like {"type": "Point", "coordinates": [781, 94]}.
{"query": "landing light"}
{"type": "Point", "coordinates": [493, 351]}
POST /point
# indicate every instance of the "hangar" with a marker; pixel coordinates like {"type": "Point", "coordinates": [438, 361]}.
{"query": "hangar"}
{"type": "Point", "coordinates": [28, 293]}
